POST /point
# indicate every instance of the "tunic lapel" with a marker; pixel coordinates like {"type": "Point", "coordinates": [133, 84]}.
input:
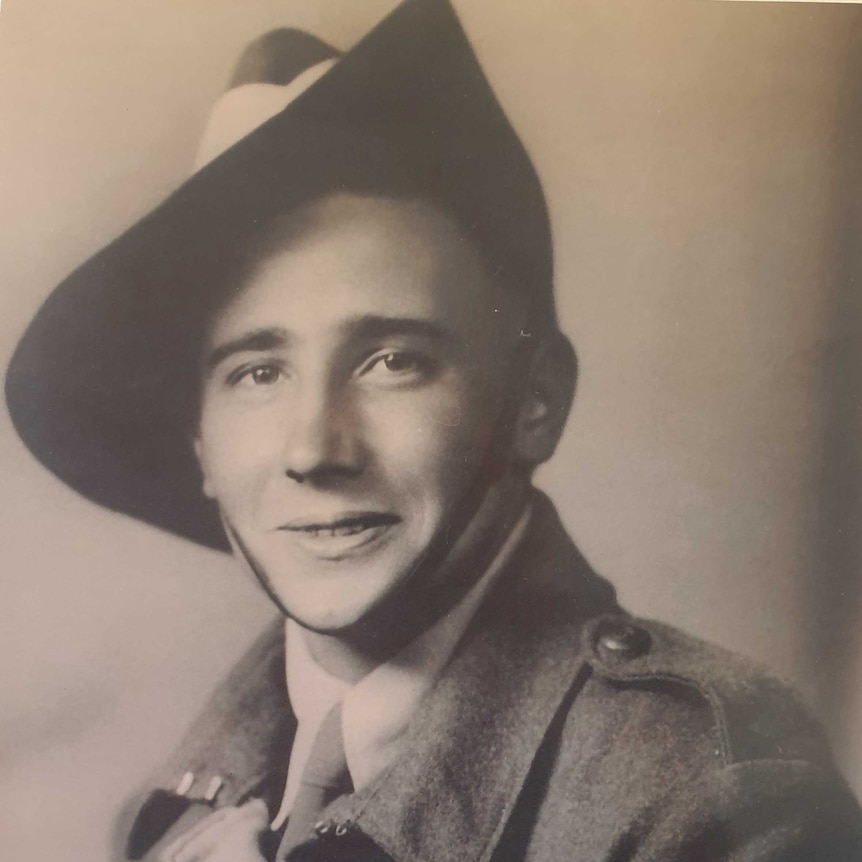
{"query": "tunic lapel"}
{"type": "Point", "coordinates": [237, 748]}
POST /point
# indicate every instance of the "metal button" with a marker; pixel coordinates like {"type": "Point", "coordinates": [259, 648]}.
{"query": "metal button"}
{"type": "Point", "coordinates": [621, 640]}
{"type": "Point", "coordinates": [323, 827]}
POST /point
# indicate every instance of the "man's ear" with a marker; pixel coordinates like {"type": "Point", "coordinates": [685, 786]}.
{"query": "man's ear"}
{"type": "Point", "coordinates": [206, 487]}
{"type": "Point", "coordinates": [548, 396]}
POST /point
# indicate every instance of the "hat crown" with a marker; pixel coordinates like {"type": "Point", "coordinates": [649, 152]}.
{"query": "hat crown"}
{"type": "Point", "coordinates": [279, 56]}
{"type": "Point", "coordinates": [272, 71]}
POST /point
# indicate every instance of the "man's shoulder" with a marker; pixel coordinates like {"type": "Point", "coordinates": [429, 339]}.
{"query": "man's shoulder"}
{"type": "Point", "coordinates": [655, 678]}
{"type": "Point", "coordinates": [648, 690]}
{"type": "Point", "coordinates": [672, 747]}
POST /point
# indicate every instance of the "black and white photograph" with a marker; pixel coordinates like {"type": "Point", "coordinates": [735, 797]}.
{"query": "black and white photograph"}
{"type": "Point", "coordinates": [432, 431]}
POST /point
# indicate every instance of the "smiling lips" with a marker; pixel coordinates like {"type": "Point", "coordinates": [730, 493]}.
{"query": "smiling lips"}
{"type": "Point", "coordinates": [336, 537]}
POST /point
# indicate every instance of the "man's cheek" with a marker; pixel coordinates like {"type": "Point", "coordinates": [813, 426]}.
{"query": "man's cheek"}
{"type": "Point", "coordinates": [238, 486]}
{"type": "Point", "coordinates": [447, 461]}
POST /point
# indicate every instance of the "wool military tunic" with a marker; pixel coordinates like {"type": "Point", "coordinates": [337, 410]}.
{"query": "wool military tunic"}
{"type": "Point", "coordinates": [563, 729]}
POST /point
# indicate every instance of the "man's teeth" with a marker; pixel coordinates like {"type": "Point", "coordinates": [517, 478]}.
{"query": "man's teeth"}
{"type": "Point", "coordinates": [343, 530]}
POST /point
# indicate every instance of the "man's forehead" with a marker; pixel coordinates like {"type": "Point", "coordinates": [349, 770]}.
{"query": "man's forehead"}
{"type": "Point", "coordinates": [349, 258]}
{"type": "Point", "coordinates": [352, 238]}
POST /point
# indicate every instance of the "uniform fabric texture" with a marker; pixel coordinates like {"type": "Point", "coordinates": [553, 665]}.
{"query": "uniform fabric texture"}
{"type": "Point", "coordinates": [562, 729]}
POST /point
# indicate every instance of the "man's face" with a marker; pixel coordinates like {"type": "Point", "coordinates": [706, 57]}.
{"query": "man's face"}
{"type": "Point", "coordinates": [351, 397]}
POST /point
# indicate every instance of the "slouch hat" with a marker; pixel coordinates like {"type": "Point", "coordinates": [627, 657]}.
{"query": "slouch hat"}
{"type": "Point", "coordinates": [103, 385]}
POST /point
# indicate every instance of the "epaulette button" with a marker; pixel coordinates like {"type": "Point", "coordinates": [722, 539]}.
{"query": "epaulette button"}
{"type": "Point", "coordinates": [620, 640]}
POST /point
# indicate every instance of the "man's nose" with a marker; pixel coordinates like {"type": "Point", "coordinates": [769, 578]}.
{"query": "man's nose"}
{"type": "Point", "coordinates": [323, 442]}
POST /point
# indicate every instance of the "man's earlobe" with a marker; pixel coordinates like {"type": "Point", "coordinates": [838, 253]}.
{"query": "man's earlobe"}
{"type": "Point", "coordinates": [548, 396]}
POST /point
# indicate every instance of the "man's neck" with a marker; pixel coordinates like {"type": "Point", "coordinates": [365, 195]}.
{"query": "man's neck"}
{"type": "Point", "coordinates": [339, 658]}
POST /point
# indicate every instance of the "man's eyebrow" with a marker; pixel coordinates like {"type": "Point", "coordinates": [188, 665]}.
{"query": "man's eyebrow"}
{"type": "Point", "coordinates": [380, 326]}
{"type": "Point", "coordinates": [257, 339]}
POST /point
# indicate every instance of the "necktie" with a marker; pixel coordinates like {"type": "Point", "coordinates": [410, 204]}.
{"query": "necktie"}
{"type": "Point", "coordinates": [324, 779]}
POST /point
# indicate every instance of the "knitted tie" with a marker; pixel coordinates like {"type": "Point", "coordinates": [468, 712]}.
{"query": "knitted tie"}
{"type": "Point", "coordinates": [324, 779]}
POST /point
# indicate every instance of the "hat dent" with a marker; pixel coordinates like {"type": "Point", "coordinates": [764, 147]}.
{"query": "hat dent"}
{"type": "Point", "coordinates": [240, 110]}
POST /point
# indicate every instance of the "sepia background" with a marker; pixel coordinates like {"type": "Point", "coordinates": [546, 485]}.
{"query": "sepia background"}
{"type": "Point", "coordinates": [702, 166]}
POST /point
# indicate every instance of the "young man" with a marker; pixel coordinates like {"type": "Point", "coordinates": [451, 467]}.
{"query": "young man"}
{"type": "Point", "coordinates": [334, 351]}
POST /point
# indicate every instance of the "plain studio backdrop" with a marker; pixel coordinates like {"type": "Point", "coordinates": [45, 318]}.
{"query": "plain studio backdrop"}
{"type": "Point", "coordinates": [701, 162]}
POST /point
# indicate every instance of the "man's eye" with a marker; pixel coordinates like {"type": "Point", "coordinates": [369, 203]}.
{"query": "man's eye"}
{"type": "Point", "coordinates": [257, 376]}
{"type": "Point", "coordinates": [399, 362]}
{"type": "Point", "coordinates": [396, 362]}
{"type": "Point", "coordinates": [397, 366]}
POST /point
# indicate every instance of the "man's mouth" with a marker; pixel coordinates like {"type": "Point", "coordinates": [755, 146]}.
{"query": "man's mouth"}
{"type": "Point", "coordinates": [336, 536]}
{"type": "Point", "coordinates": [343, 525]}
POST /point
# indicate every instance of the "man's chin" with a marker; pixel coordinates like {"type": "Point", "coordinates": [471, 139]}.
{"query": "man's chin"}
{"type": "Point", "coordinates": [367, 627]}
{"type": "Point", "coordinates": [323, 623]}
{"type": "Point", "coordinates": [334, 600]}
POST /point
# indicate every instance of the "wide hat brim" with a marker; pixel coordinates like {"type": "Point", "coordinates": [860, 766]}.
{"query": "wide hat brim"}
{"type": "Point", "coordinates": [102, 387]}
